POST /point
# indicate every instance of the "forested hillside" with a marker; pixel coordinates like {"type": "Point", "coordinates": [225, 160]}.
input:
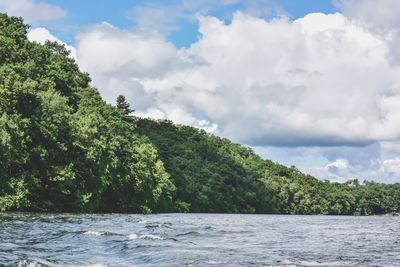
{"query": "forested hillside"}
{"type": "Point", "coordinates": [212, 174]}
{"type": "Point", "coordinates": [62, 148]}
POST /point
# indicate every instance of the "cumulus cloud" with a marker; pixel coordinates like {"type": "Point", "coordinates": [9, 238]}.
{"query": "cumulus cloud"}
{"type": "Point", "coordinates": [32, 10]}
{"type": "Point", "coordinates": [319, 80]}
{"type": "Point", "coordinates": [41, 35]}
{"type": "Point", "coordinates": [338, 171]}
{"type": "Point", "coordinates": [382, 13]}
{"type": "Point", "coordinates": [379, 16]}
{"type": "Point", "coordinates": [108, 50]}
{"type": "Point", "coordinates": [341, 170]}
{"type": "Point", "coordinates": [121, 61]}
{"type": "Point", "coordinates": [324, 80]}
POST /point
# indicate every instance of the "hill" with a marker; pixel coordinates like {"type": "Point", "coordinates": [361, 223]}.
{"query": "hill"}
{"type": "Point", "coordinates": [64, 149]}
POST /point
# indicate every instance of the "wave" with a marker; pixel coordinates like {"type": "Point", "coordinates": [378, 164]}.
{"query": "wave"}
{"type": "Point", "coordinates": [130, 236]}
{"type": "Point", "coordinates": [25, 263]}
{"type": "Point", "coordinates": [97, 233]}
{"type": "Point", "coordinates": [156, 225]}
{"type": "Point", "coordinates": [148, 236]}
{"type": "Point", "coordinates": [191, 233]}
{"type": "Point", "coordinates": [151, 237]}
{"type": "Point", "coordinates": [133, 236]}
{"type": "Point", "coordinates": [92, 233]}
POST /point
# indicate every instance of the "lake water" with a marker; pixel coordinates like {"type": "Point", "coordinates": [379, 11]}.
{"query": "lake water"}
{"type": "Point", "coordinates": [197, 240]}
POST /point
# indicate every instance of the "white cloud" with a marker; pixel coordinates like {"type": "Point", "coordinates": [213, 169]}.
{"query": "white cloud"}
{"type": "Point", "coordinates": [338, 166]}
{"type": "Point", "coordinates": [392, 166]}
{"type": "Point", "coordinates": [380, 16]}
{"type": "Point", "coordinates": [121, 61]}
{"type": "Point", "coordinates": [319, 81]}
{"type": "Point", "coordinates": [118, 61]}
{"type": "Point", "coordinates": [108, 50]}
{"type": "Point", "coordinates": [41, 35]}
{"type": "Point", "coordinates": [382, 13]}
{"type": "Point", "coordinates": [338, 171]}
{"type": "Point", "coordinates": [32, 10]}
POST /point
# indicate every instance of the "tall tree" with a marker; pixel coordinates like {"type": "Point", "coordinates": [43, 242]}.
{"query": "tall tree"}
{"type": "Point", "coordinates": [125, 109]}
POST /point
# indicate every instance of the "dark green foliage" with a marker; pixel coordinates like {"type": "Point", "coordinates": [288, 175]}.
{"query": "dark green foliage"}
{"type": "Point", "coordinates": [212, 174]}
{"type": "Point", "coordinates": [125, 109]}
{"type": "Point", "coordinates": [209, 172]}
{"type": "Point", "coordinates": [62, 148]}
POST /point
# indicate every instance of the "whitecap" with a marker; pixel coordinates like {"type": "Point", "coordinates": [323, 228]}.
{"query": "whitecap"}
{"type": "Point", "coordinates": [92, 233]}
{"type": "Point", "coordinates": [25, 263]}
{"type": "Point", "coordinates": [152, 237]}
{"type": "Point", "coordinates": [133, 236]}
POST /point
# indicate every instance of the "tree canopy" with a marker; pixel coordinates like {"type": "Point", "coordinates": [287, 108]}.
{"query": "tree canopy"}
{"type": "Point", "coordinates": [62, 147]}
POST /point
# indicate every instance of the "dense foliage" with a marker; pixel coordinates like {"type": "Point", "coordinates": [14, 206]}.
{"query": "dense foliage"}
{"type": "Point", "coordinates": [212, 174]}
{"type": "Point", "coordinates": [62, 148]}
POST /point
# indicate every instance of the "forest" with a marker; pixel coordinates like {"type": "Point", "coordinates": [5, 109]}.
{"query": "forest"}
{"type": "Point", "coordinates": [64, 149]}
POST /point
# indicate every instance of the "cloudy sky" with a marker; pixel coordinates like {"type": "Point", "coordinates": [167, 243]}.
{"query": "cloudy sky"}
{"type": "Point", "coordinates": [311, 83]}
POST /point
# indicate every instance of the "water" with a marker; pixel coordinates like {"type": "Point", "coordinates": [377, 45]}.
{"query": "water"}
{"type": "Point", "coordinates": [197, 240]}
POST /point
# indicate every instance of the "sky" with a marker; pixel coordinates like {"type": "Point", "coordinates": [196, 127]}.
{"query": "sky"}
{"type": "Point", "coordinates": [310, 83]}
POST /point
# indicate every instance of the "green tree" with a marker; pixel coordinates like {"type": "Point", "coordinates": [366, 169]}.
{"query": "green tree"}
{"type": "Point", "coordinates": [125, 109]}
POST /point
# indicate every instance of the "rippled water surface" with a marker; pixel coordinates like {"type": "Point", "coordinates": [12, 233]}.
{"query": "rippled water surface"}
{"type": "Point", "coordinates": [197, 240]}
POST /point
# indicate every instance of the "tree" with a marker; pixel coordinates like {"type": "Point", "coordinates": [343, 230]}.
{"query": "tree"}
{"type": "Point", "coordinates": [125, 109]}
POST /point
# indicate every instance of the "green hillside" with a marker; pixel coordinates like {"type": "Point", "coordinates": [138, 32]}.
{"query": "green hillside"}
{"type": "Point", "coordinates": [63, 149]}
{"type": "Point", "coordinates": [212, 174]}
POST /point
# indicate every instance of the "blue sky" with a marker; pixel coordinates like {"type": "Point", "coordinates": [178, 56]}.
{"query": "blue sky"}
{"type": "Point", "coordinates": [311, 83]}
{"type": "Point", "coordinates": [121, 13]}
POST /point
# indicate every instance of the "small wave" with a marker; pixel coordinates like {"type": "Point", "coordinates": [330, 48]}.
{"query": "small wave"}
{"type": "Point", "coordinates": [96, 233]}
{"type": "Point", "coordinates": [152, 237]}
{"type": "Point", "coordinates": [191, 233]}
{"type": "Point", "coordinates": [92, 233]}
{"type": "Point", "coordinates": [133, 236]}
{"type": "Point", "coordinates": [156, 225]}
{"type": "Point", "coordinates": [25, 263]}
{"type": "Point", "coordinates": [235, 232]}
{"type": "Point", "coordinates": [149, 236]}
